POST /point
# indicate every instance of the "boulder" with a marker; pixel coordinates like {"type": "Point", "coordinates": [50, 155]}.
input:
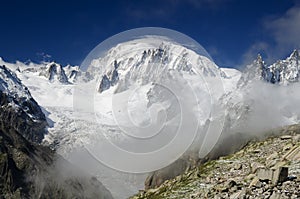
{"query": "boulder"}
{"type": "Point", "coordinates": [255, 166]}
{"type": "Point", "coordinates": [274, 175]}
{"type": "Point", "coordinates": [293, 154]}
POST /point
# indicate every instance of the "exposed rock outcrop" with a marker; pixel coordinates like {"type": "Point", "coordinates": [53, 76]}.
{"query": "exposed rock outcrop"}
{"type": "Point", "coordinates": [55, 72]}
{"type": "Point", "coordinates": [262, 169]}
{"type": "Point", "coordinates": [282, 71]}
{"type": "Point", "coordinates": [190, 160]}
{"type": "Point", "coordinates": [109, 79]}
{"type": "Point", "coordinates": [18, 109]}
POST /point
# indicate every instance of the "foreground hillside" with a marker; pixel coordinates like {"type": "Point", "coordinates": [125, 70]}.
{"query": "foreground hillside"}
{"type": "Point", "coordinates": [262, 169]}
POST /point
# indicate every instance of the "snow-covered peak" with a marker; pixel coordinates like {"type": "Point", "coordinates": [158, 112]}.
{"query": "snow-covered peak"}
{"type": "Point", "coordinates": [145, 60]}
{"type": "Point", "coordinates": [294, 55]}
{"type": "Point", "coordinates": [285, 71]}
{"type": "Point", "coordinates": [72, 72]}
{"type": "Point", "coordinates": [281, 72]}
{"type": "Point", "coordinates": [54, 72]}
{"type": "Point", "coordinates": [259, 59]}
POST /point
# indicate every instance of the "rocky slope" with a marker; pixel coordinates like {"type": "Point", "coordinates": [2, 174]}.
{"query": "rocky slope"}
{"type": "Point", "coordinates": [19, 109]}
{"type": "Point", "coordinates": [269, 168]}
{"type": "Point", "coordinates": [33, 171]}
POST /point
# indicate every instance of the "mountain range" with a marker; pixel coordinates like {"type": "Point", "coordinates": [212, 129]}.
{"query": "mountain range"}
{"type": "Point", "coordinates": [128, 89]}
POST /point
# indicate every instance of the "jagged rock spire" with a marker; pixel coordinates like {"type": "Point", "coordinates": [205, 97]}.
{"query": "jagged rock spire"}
{"type": "Point", "coordinates": [110, 79]}
{"type": "Point", "coordinates": [261, 67]}
{"type": "Point", "coordinates": [53, 72]}
{"type": "Point", "coordinates": [295, 54]}
{"type": "Point", "coordinates": [259, 58]}
{"type": "Point", "coordinates": [282, 71]}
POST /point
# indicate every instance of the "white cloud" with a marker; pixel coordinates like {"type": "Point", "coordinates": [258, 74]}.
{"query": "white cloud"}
{"type": "Point", "coordinates": [43, 56]}
{"type": "Point", "coordinates": [286, 29]}
{"type": "Point", "coordinates": [284, 32]}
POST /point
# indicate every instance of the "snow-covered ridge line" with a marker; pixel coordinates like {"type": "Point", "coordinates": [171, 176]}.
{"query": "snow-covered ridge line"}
{"type": "Point", "coordinates": [152, 56]}
{"type": "Point", "coordinates": [281, 72]}
{"type": "Point", "coordinates": [53, 71]}
{"type": "Point", "coordinates": [11, 85]}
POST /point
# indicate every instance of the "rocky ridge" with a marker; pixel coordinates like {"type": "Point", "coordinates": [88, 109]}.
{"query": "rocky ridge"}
{"type": "Point", "coordinates": [18, 109]}
{"type": "Point", "coordinates": [54, 71]}
{"type": "Point", "coordinates": [146, 60]}
{"type": "Point", "coordinates": [281, 72]}
{"type": "Point", "coordinates": [262, 169]}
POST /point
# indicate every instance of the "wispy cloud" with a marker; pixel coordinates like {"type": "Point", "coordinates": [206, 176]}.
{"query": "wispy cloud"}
{"type": "Point", "coordinates": [43, 56]}
{"type": "Point", "coordinates": [286, 29]}
{"type": "Point", "coordinates": [255, 49]}
{"type": "Point", "coordinates": [284, 32]}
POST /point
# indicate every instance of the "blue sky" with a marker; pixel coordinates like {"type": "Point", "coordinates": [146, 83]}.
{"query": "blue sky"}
{"type": "Point", "coordinates": [232, 31]}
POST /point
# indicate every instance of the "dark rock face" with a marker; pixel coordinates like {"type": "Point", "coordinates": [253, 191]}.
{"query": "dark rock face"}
{"type": "Point", "coordinates": [54, 71]}
{"type": "Point", "coordinates": [18, 109]}
{"type": "Point", "coordinates": [32, 128]}
{"type": "Point", "coordinates": [105, 84]}
{"type": "Point", "coordinates": [73, 74]}
{"type": "Point", "coordinates": [109, 79]}
{"type": "Point", "coordinates": [158, 177]}
{"type": "Point", "coordinates": [15, 160]}
{"type": "Point", "coordinates": [114, 77]}
{"type": "Point", "coordinates": [28, 171]}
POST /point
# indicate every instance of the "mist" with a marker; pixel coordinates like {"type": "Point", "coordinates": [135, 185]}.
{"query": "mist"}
{"type": "Point", "coordinates": [256, 110]}
{"type": "Point", "coordinates": [268, 106]}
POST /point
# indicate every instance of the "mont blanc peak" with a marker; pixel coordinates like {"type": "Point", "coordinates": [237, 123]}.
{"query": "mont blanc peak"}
{"type": "Point", "coordinates": [145, 60]}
